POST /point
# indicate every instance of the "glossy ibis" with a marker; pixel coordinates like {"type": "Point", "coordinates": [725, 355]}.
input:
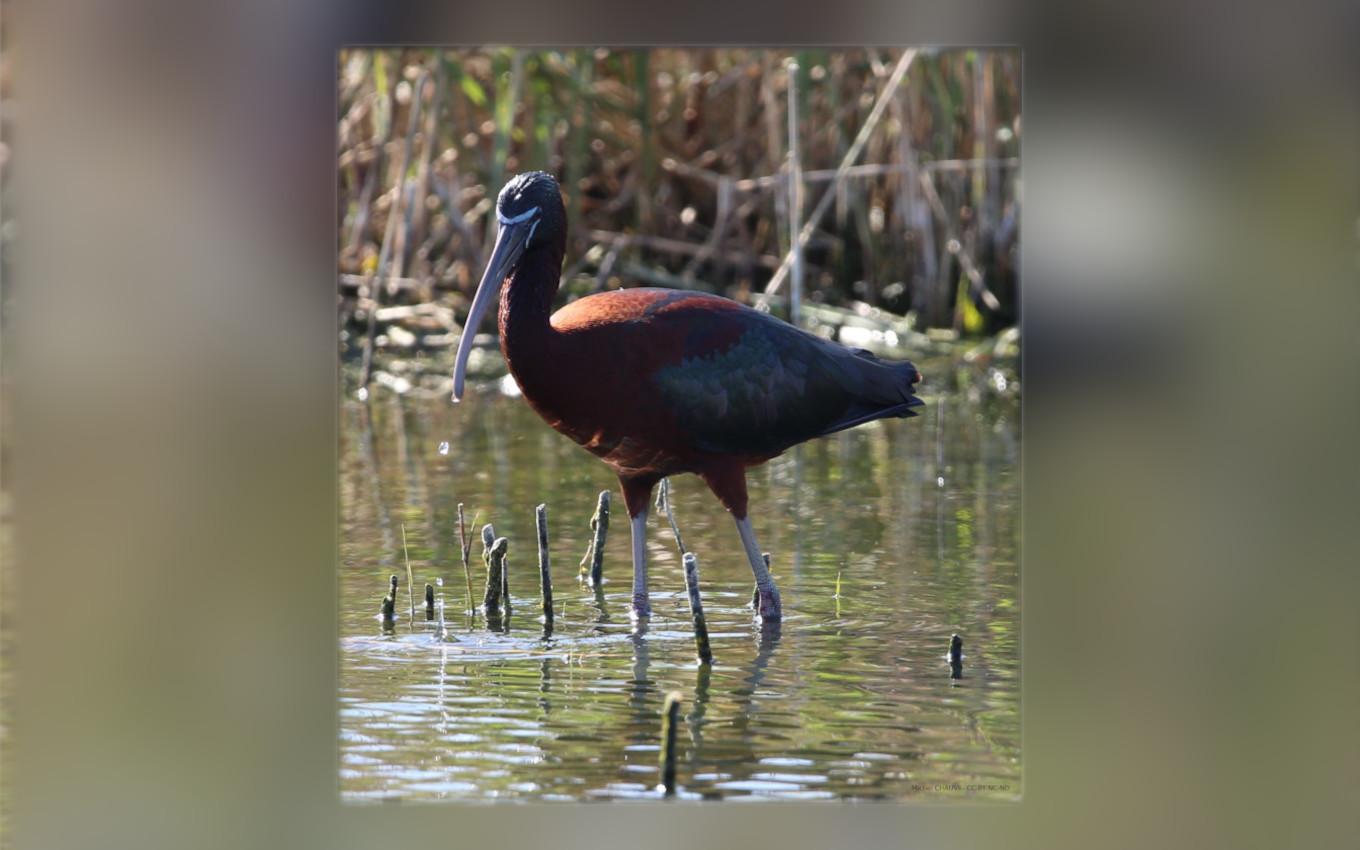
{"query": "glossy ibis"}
{"type": "Point", "coordinates": [661, 381]}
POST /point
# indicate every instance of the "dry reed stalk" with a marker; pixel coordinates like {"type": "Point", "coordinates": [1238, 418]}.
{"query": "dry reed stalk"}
{"type": "Point", "coordinates": [670, 720]}
{"type": "Point", "coordinates": [642, 85]}
{"type": "Point", "coordinates": [696, 609]}
{"type": "Point", "coordinates": [599, 524]}
{"type": "Point", "coordinates": [495, 576]}
{"type": "Point", "coordinates": [544, 567]}
{"type": "Point", "coordinates": [850, 156]}
{"type": "Point", "coordinates": [389, 606]}
{"type": "Point", "coordinates": [954, 246]}
{"type": "Point", "coordinates": [385, 255]}
{"type": "Point", "coordinates": [583, 77]}
{"type": "Point", "coordinates": [710, 247]}
{"type": "Point", "coordinates": [605, 120]}
{"type": "Point", "coordinates": [657, 243]}
{"type": "Point", "coordinates": [663, 501]}
{"type": "Point", "coordinates": [429, 142]}
{"type": "Point", "coordinates": [873, 170]}
{"type": "Point", "coordinates": [773, 142]}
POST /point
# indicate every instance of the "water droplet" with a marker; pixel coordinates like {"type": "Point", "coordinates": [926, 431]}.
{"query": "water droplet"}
{"type": "Point", "coordinates": [440, 583]}
{"type": "Point", "coordinates": [363, 394]}
{"type": "Point", "coordinates": [939, 482]}
{"type": "Point", "coordinates": [444, 447]}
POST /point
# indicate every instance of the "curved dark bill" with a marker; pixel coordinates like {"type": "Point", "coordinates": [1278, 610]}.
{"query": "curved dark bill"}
{"type": "Point", "coordinates": [510, 242]}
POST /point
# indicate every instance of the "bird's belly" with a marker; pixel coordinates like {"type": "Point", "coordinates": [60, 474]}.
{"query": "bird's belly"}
{"type": "Point", "coordinates": [629, 456]}
{"type": "Point", "coordinates": [641, 440]}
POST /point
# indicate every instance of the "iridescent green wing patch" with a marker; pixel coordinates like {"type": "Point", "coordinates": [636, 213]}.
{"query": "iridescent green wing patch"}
{"type": "Point", "coordinates": [761, 394]}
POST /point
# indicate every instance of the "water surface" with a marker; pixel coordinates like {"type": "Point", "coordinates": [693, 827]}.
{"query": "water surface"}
{"type": "Point", "coordinates": [850, 698]}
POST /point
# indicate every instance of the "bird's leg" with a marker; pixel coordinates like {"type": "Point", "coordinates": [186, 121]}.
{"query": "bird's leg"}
{"type": "Point", "coordinates": [727, 479]}
{"type": "Point", "coordinates": [769, 594]}
{"type": "Point", "coordinates": [637, 496]}
{"type": "Point", "coordinates": [640, 607]}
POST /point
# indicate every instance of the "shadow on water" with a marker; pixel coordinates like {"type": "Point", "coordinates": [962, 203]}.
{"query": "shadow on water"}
{"type": "Point", "coordinates": [852, 697]}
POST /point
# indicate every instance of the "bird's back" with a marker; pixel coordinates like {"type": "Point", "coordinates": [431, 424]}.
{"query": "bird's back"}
{"type": "Point", "coordinates": [732, 379]}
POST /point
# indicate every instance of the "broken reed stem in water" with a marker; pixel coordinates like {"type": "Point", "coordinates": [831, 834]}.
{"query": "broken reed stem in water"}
{"type": "Point", "coordinates": [467, 550]}
{"type": "Point", "coordinates": [410, 582]}
{"type": "Point", "coordinates": [495, 575]}
{"type": "Point", "coordinates": [696, 609]}
{"type": "Point", "coordinates": [670, 717]}
{"type": "Point", "coordinates": [429, 601]}
{"type": "Point", "coordinates": [488, 540]}
{"type": "Point", "coordinates": [599, 523]}
{"type": "Point", "coordinates": [956, 657]}
{"type": "Point", "coordinates": [389, 604]}
{"type": "Point", "coordinates": [544, 567]}
{"type": "Point", "coordinates": [663, 501]}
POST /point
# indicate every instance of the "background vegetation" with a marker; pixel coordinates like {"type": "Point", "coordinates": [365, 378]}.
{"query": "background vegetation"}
{"type": "Point", "coordinates": [674, 166]}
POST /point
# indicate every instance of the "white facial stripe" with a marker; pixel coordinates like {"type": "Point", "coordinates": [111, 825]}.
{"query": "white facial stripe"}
{"type": "Point", "coordinates": [517, 219]}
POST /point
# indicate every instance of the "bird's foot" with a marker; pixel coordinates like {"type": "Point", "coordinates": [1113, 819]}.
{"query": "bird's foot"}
{"type": "Point", "coordinates": [640, 606]}
{"type": "Point", "coordinates": [769, 609]}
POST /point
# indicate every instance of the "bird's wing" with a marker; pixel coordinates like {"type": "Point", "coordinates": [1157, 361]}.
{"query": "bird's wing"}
{"type": "Point", "coordinates": [735, 380]}
{"type": "Point", "coordinates": [750, 384]}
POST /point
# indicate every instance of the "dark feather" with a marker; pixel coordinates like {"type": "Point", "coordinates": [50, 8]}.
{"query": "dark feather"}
{"type": "Point", "coordinates": [773, 386]}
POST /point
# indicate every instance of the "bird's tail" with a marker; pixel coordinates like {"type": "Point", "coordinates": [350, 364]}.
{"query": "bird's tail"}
{"type": "Point", "coordinates": [882, 389]}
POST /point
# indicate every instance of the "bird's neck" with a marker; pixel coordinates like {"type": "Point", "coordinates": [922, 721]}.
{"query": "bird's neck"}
{"type": "Point", "coordinates": [526, 304]}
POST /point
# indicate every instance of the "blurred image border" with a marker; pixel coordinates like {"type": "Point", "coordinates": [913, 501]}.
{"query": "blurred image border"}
{"type": "Point", "coordinates": [169, 369]}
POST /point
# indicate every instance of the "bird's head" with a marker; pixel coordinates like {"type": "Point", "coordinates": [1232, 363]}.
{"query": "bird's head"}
{"type": "Point", "coordinates": [530, 203]}
{"type": "Point", "coordinates": [529, 215]}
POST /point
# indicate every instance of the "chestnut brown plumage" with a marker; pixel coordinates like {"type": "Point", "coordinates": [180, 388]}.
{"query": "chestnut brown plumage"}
{"type": "Point", "coordinates": [662, 381]}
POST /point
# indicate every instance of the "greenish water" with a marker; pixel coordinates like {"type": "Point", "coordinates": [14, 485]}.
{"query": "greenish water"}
{"type": "Point", "coordinates": [851, 698]}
